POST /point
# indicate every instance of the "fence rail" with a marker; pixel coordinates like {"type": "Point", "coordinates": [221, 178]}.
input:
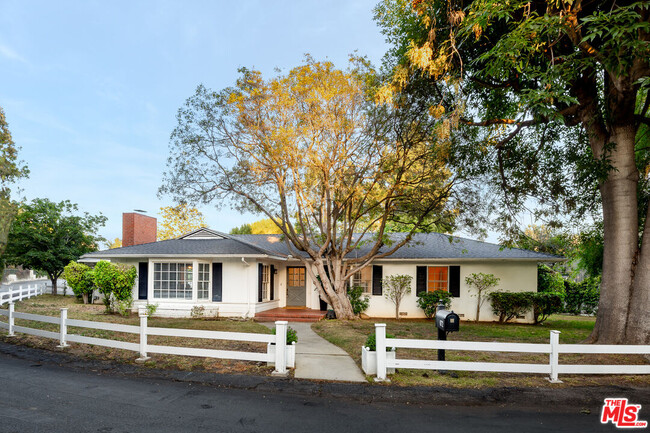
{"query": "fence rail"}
{"type": "Point", "coordinates": [277, 357]}
{"type": "Point", "coordinates": [13, 295]}
{"type": "Point", "coordinates": [553, 349]}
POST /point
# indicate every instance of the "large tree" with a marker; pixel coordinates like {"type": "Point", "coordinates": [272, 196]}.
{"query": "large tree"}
{"type": "Point", "coordinates": [46, 236]}
{"type": "Point", "coordinates": [179, 220]}
{"type": "Point", "coordinates": [11, 169]}
{"type": "Point", "coordinates": [311, 152]}
{"type": "Point", "coordinates": [550, 100]}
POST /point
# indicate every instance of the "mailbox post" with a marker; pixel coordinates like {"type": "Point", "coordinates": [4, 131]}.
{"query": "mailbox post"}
{"type": "Point", "coordinates": [446, 321]}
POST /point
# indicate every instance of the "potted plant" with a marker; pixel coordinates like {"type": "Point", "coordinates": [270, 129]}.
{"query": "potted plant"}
{"type": "Point", "coordinates": [290, 354]}
{"type": "Point", "coordinates": [369, 355]}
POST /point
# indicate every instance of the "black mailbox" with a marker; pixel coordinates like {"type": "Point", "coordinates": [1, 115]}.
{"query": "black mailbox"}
{"type": "Point", "coordinates": [447, 321]}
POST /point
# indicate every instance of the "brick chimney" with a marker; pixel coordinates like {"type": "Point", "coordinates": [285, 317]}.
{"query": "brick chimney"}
{"type": "Point", "coordinates": [138, 229]}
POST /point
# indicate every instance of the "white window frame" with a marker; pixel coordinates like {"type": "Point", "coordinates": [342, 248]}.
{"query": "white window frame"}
{"type": "Point", "coordinates": [195, 279]}
{"type": "Point", "coordinates": [356, 280]}
{"type": "Point", "coordinates": [266, 283]}
{"type": "Point", "coordinates": [437, 266]}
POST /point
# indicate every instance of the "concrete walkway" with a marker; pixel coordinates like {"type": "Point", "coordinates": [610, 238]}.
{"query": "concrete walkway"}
{"type": "Point", "coordinates": [317, 358]}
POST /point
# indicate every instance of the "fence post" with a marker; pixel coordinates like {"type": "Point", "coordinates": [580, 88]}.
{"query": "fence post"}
{"type": "Point", "coordinates": [63, 328]}
{"type": "Point", "coordinates": [380, 341]}
{"type": "Point", "coordinates": [553, 357]}
{"type": "Point", "coordinates": [11, 318]}
{"type": "Point", "coordinates": [142, 312]}
{"type": "Point", "coordinates": [280, 348]}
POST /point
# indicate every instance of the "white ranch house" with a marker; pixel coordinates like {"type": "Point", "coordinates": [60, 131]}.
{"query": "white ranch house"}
{"type": "Point", "coordinates": [246, 275]}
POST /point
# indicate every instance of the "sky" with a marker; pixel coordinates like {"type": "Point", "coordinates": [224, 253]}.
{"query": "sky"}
{"type": "Point", "coordinates": [91, 89]}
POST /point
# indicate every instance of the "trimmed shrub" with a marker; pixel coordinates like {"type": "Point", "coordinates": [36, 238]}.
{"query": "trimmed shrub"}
{"type": "Point", "coordinates": [80, 279]}
{"type": "Point", "coordinates": [508, 305]}
{"type": "Point", "coordinates": [358, 301]}
{"type": "Point", "coordinates": [292, 335]}
{"type": "Point", "coordinates": [428, 301]}
{"type": "Point", "coordinates": [545, 304]}
{"type": "Point", "coordinates": [114, 280]}
{"type": "Point", "coordinates": [548, 280]}
{"type": "Point", "coordinates": [582, 298]}
{"type": "Point", "coordinates": [371, 341]}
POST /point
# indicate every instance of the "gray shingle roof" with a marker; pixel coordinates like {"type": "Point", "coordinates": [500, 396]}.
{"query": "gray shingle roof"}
{"type": "Point", "coordinates": [422, 246]}
{"type": "Point", "coordinates": [182, 247]}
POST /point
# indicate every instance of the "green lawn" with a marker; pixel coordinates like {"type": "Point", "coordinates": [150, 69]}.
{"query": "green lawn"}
{"type": "Point", "coordinates": [50, 305]}
{"type": "Point", "coordinates": [351, 335]}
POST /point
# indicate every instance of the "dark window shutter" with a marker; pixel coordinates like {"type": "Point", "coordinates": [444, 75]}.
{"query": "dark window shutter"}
{"type": "Point", "coordinates": [377, 275]}
{"type": "Point", "coordinates": [143, 280]}
{"type": "Point", "coordinates": [259, 282]}
{"type": "Point", "coordinates": [272, 291]}
{"type": "Point", "coordinates": [217, 270]}
{"type": "Point", "coordinates": [454, 281]}
{"type": "Point", "coordinates": [421, 280]}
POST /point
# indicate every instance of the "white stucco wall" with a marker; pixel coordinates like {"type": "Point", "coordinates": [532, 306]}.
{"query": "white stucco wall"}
{"type": "Point", "coordinates": [514, 277]}
{"type": "Point", "coordinates": [240, 288]}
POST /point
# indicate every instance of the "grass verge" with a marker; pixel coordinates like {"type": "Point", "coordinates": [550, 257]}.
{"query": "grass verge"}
{"type": "Point", "coordinates": [351, 335]}
{"type": "Point", "coordinates": [50, 305]}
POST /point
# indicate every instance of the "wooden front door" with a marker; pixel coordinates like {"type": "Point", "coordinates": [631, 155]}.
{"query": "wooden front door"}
{"type": "Point", "coordinates": [296, 286]}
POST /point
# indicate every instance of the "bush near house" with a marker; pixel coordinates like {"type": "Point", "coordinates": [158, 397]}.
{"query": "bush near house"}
{"type": "Point", "coordinates": [79, 278]}
{"type": "Point", "coordinates": [358, 301]}
{"type": "Point", "coordinates": [115, 281]}
{"type": "Point", "coordinates": [545, 304]}
{"type": "Point", "coordinates": [428, 301]}
{"type": "Point", "coordinates": [508, 305]}
{"type": "Point", "coordinates": [583, 297]}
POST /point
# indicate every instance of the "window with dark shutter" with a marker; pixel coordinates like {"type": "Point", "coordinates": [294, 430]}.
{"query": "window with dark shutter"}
{"type": "Point", "coordinates": [421, 279]}
{"type": "Point", "coordinates": [143, 280]}
{"type": "Point", "coordinates": [454, 281]}
{"type": "Point", "coordinates": [216, 282]}
{"type": "Point", "coordinates": [272, 290]}
{"type": "Point", "coordinates": [377, 275]}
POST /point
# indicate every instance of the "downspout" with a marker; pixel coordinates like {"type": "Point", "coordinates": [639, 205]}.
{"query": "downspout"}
{"type": "Point", "coordinates": [248, 291]}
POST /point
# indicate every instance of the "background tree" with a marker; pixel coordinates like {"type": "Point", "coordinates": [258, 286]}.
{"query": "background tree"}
{"type": "Point", "coordinates": [244, 229]}
{"type": "Point", "coordinates": [10, 171]}
{"type": "Point", "coordinates": [552, 109]}
{"type": "Point", "coordinates": [395, 288]}
{"type": "Point", "coordinates": [482, 285]}
{"type": "Point", "coordinates": [178, 220]}
{"type": "Point", "coordinates": [310, 151]}
{"type": "Point", "coordinates": [117, 243]}
{"type": "Point", "coordinates": [264, 227]}
{"type": "Point", "coordinates": [46, 236]}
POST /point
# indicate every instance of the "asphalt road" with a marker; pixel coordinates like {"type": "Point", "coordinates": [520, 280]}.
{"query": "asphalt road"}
{"type": "Point", "coordinates": [42, 397]}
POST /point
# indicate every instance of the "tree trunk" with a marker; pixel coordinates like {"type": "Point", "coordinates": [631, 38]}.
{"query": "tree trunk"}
{"type": "Point", "coordinates": [638, 324]}
{"type": "Point", "coordinates": [397, 302]}
{"type": "Point", "coordinates": [84, 296]}
{"type": "Point", "coordinates": [478, 306]}
{"type": "Point", "coordinates": [332, 287]}
{"type": "Point", "coordinates": [620, 242]}
{"type": "Point", "coordinates": [54, 279]}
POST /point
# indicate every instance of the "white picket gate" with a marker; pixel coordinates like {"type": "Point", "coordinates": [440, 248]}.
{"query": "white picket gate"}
{"type": "Point", "coordinates": [553, 349]}
{"type": "Point", "coordinates": [278, 357]}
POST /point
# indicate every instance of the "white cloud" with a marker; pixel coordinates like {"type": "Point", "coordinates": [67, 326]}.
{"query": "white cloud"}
{"type": "Point", "coordinates": [10, 54]}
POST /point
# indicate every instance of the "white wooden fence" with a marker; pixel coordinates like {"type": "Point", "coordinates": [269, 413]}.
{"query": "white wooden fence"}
{"type": "Point", "coordinates": [278, 357]}
{"type": "Point", "coordinates": [21, 292]}
{"type": "Point", "coordinates": [553, 349]}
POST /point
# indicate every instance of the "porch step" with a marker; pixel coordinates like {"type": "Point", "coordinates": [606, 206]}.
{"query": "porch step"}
{"type": "Point", "coordinates": [290, 315]}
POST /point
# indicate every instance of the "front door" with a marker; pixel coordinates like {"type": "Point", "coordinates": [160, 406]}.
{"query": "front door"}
{"type": "Point", "coordinates": [296, 287]}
